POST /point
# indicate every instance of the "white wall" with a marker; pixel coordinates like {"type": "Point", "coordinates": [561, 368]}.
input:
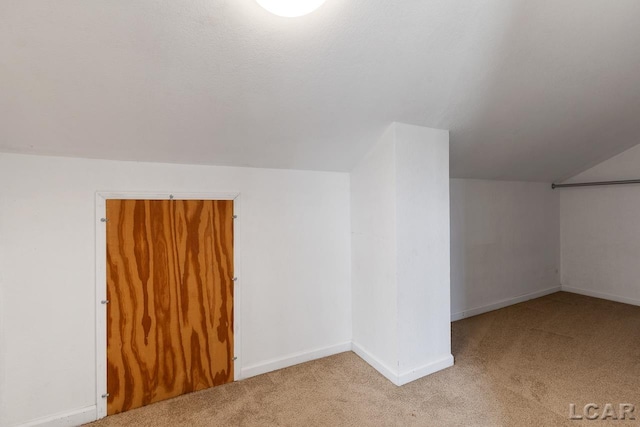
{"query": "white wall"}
{"type": "Point", "coordinates": [422, 158]}
{"type": "Point", "coordinates": [294, 279]}
{"type": "Point", "coordinates": [423, 239]}
{"type": "Point", "coordinates": [600, 231]}
{"type": "Point", "coordinates": [374, 253]}
{"type": "Point", "coordinates": [505, 244]}
{"type": "Point", "coordinates": [400, 253]}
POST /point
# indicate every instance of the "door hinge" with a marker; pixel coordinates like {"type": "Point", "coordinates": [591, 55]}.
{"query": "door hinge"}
{"type": "Point", "coordinates": [235, 279]}
{"type": "Point", "coordinates": [235, 216]}
{"type": "Point", "coordinates": [235, 358]}
{"type": "Point", "coordinates": [104, 396]}
{"type": "Point", "coordinates": [105, 301]}
{"type": "Point", "coordinates": [104, 220]}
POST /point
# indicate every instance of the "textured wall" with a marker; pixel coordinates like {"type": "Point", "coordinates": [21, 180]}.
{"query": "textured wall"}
{"type": "Point", "coordinates": [400, 253]}
{"type": "Point", "coordinates": [505, 243]}
{"type": "Point", "coordinates": [601, 232]}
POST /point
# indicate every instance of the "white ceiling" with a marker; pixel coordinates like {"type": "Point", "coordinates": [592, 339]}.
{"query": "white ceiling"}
{"type": "Point", "coordinates": [531, 90]}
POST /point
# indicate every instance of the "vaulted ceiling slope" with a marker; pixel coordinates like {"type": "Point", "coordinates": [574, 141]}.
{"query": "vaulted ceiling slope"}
{"type": "Point", "coordinates": [531, 90]}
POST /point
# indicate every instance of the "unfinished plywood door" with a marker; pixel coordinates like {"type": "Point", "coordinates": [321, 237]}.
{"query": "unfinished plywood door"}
{"type": "Point", "coordinates": [170, 311]}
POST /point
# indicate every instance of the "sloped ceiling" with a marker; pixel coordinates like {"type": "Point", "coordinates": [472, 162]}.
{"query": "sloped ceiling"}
{"type": "Point", "coordinates": [531, 90]}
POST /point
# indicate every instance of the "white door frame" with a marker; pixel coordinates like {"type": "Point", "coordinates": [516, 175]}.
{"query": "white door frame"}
{"type": "Point", "coordinates": [101, 278]}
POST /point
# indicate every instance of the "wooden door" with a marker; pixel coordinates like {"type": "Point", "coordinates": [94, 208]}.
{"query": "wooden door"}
{"type": "Point", "coordinates": [170, 292]}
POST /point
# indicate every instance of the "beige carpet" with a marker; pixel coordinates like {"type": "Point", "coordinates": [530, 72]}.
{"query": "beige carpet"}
{"type": "Point", "coordinates": [522, 365]}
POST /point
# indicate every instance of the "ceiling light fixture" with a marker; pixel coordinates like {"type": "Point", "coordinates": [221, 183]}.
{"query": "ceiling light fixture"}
{"type": "Point", "coordinates": [290, 8]}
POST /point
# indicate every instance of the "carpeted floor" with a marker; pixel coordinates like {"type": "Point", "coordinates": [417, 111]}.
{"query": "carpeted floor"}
{"type": "Point", "coordinates": [522, 365]}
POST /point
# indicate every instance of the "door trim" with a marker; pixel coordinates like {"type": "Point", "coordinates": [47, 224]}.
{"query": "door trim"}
{"type": "Point", "coordinates": [101, 278]}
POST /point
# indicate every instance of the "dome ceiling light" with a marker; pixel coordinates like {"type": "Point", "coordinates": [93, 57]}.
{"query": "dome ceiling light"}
{"type": "Point", "coordinates": [290, 8]}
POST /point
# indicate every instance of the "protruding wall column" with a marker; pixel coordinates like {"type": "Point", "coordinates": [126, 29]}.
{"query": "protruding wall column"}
{"type": "Point", "coordinates": [400, 254]}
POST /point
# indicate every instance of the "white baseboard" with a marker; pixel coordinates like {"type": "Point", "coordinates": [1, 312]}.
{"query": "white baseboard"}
{"type": "Point", "coordinates": [503, 303]}
{"type": "Point", "coordinates": [406, 377]}
{"type": "Point", "coordinates": [293, 359]}
{"type": "Point", "coordinates": [601, 295]}
{"type": "Point", "coordinates": [365, 355]}
{"type": "Point", "coordinates": [89, 414]}
{"type": "Point", "coordinates": [428, 369]}
{"type": "Point", "coordinates": [65, 419]}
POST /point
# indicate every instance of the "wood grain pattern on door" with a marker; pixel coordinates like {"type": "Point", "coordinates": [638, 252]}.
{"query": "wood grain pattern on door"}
{"type": "Point", "coordinates": [170, 287]}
